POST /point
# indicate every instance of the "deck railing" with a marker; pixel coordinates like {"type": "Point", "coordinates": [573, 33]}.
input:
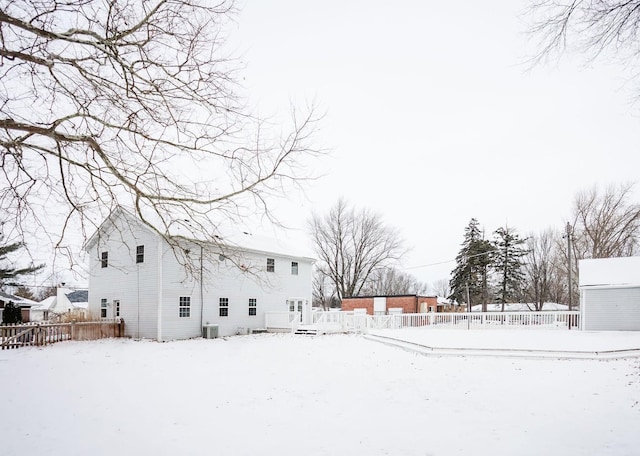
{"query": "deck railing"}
{"type": "Point", "coordinates": [282, 321]}
{"type": "Point", "coordinates": [21, 335]}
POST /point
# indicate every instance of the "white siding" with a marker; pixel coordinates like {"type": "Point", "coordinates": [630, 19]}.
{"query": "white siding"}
{"type": "Point", "coordinates": [141, 287]}
{"type": "Point", "coordinates": [611, 308]}
{"type": "Point", "coordinates": [134, 284]}
{"type": "Point", "coordinates": [176, 282]}
{"type": "Point", "coordinates": [270, 289]}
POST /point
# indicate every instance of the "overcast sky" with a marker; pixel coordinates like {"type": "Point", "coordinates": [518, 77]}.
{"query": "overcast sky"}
{"type": "Point", "coordinates": [432, 116]}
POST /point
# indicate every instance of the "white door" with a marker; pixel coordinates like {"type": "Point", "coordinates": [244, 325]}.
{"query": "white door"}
{"type": "Point", "coordinates": [295, 305]}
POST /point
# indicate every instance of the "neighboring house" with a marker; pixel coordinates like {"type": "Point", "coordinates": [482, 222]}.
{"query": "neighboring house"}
{"type": "Point", "coordinates": [24, 304]}
{"type": "Point", "coordinates": [381, 305]}
{"type": "Point", "coordinates": [135, 275]}
{"type": "Point", "coordinates": [64, 302]}
{"type": "Point", "coordinates": [610, 293]}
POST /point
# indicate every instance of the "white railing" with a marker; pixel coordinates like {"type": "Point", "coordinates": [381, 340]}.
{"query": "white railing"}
{"type": "Point", "coordinates": [282, 320]}
{"type": "Point", "coordinates": [354, 322]}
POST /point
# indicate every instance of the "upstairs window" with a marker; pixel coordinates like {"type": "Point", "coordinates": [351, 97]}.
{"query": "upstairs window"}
{"type": "Point", "coordinates": [253, 306]}
{"type": "Point", "coordinates": [184, 307]}
{"type": "Point", "coordinates": [294, 268]}
{"type": "Point", "coordinates": [140, 254]}
{"type": "Point", "coordinates": [271, 265]}
{"type": "Point", "coordinates": [104, 259]}
{"type": "Point", "coordinates": [224, 307]}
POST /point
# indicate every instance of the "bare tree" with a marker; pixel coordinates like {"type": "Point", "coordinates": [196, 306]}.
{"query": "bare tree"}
{"type": "Point", "coordinates": [133, 104]}
{"type": "Point", "coordinates": [324, 292]}
{"type": "Point", "coordinates": [352, 245]}
{"type": "Point", "coordinates": [46, 292]}
{"type": "Point", "coordinates": [538, 268]}
{"type": "Point", "coordinates": [606, 223]}
{"type": "Point", "coordinates": [441, 288]}
{"type": "Point", "coordinates": [591, 27]}
{"type": "Point", "coordinates": [391, 281]}
{"type": "Point", "coordinates": [25, 292]}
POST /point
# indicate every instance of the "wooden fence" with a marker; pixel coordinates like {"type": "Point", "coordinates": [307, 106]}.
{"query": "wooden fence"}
{"type": "Point", "coordinates": [15, 336]}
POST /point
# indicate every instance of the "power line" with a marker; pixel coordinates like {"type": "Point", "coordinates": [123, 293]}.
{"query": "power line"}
{"type": "Point", "coordinates": [450, 261]}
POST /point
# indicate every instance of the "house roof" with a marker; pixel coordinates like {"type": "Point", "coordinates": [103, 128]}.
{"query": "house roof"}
{"type": "Point", "coordinates": [45, 303]}
{"type": "Point", "coordinates": [622, 271]}
{"type": "Point", "coordinates": [265, 244]}
{"type": "Point", "coordinates": [78, 296]}
{"type": "Point", "coordinates": [17, 300]}
{"type": "Point", "coordinates": [237, 240]}
{"type": "Point", "coordinates": [107, 222]}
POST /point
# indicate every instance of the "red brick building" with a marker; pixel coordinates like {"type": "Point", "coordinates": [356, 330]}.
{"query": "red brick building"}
{"type": "Point", "coordinates": [379, 305]}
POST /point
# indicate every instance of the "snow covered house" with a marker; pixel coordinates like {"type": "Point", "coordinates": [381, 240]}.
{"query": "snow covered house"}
{"type": "Point", "coordinates": [66, 301]}
{"type": "Point", "coordinates": [610, 293]}
{"type": "Point", "coordinates": [135, 275]}
{"type": "Point", "coordinates": [23, 303]}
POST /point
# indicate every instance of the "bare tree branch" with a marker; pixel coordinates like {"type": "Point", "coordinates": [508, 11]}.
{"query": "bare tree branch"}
{"type": "Point", "coordinates": [134, 104]}
{"type": "Point", "coordinates": [352, 246]}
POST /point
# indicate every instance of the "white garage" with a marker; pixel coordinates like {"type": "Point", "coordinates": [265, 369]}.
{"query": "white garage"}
{"type": "Point", "coordinates": [610, 294]}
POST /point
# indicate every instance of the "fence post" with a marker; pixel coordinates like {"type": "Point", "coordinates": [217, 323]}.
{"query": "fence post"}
{"type": "Point", "coordinates": [73, 330]}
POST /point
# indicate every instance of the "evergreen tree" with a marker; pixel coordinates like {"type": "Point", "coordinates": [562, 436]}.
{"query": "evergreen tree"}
{"type": "Point", "coordinates": [507, 263]}
{"type": "Point", "coordinates": [11, 314]}
{"type": "Point", "coordinates": [8, 274]}
{"type": "Point", "coordinates": [472, 267]}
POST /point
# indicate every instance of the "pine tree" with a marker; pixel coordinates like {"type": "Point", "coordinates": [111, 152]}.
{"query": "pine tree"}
{"type": "Point", "coordinates": [472, 269]}
{"type": "Point", "coordinates": [507, 263]}
{"type": "Point", "coordinates": [8, 274]}
{"type": "Point", "coordinates": [11, 314]}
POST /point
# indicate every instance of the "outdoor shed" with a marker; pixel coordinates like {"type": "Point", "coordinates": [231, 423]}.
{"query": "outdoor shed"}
{"type": "Point", "coordinates": [610, 294]}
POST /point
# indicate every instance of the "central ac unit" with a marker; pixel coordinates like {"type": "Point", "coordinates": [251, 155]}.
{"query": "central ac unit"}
{"type": "Point", "coordinates": [210, 331]}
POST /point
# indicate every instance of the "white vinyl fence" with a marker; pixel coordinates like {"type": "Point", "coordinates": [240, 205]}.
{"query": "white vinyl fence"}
{"type": "Point", "coordinates": [358, 322]}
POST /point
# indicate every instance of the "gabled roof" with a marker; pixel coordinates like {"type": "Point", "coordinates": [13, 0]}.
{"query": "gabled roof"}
{"type": "Point", "coordinates": [17, 300]}
{"type": "Point", "coordinates": [109, 221]}
{"type": "Point", "coordinates": [263, 244]}
{"type": "Point", "coordinates": [241, 241]}
{"type": "Point", "coordinates": [78, 296]}
{"type": "Point", "coordinates": [45, 303]}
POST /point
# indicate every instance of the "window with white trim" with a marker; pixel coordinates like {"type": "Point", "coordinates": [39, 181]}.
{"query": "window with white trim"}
{"type": "Point", "coordinates": [271, 265]}
{"type": "Point", "coordinates": [253, 306]}
{"type": "Point", "coordinates": [103, 308]}
{"type": "Point", "coordinates": [224, 307]}
{"type": "Point", "coordinates": [184, 307]}
{"type": "Point", "coordinates": [116, 306]}
{"type": "Point", "coordinates": [140, 254]}
{"type": "Point", "coordinates": [104, 259]}
{"type": "Point", "coordinates": [294, 268]}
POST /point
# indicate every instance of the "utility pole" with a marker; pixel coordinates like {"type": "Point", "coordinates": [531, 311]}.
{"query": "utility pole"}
{"type": "Point", "coordinates": [468, 308]}
{"type": "Point", "coordinates": [570, 267]}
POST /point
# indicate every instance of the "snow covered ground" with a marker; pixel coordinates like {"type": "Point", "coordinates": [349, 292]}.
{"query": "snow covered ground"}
{"type": "Point", "coordinates": [328, 395]}
{"type": "Point", "coordinates": [554, 340]}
